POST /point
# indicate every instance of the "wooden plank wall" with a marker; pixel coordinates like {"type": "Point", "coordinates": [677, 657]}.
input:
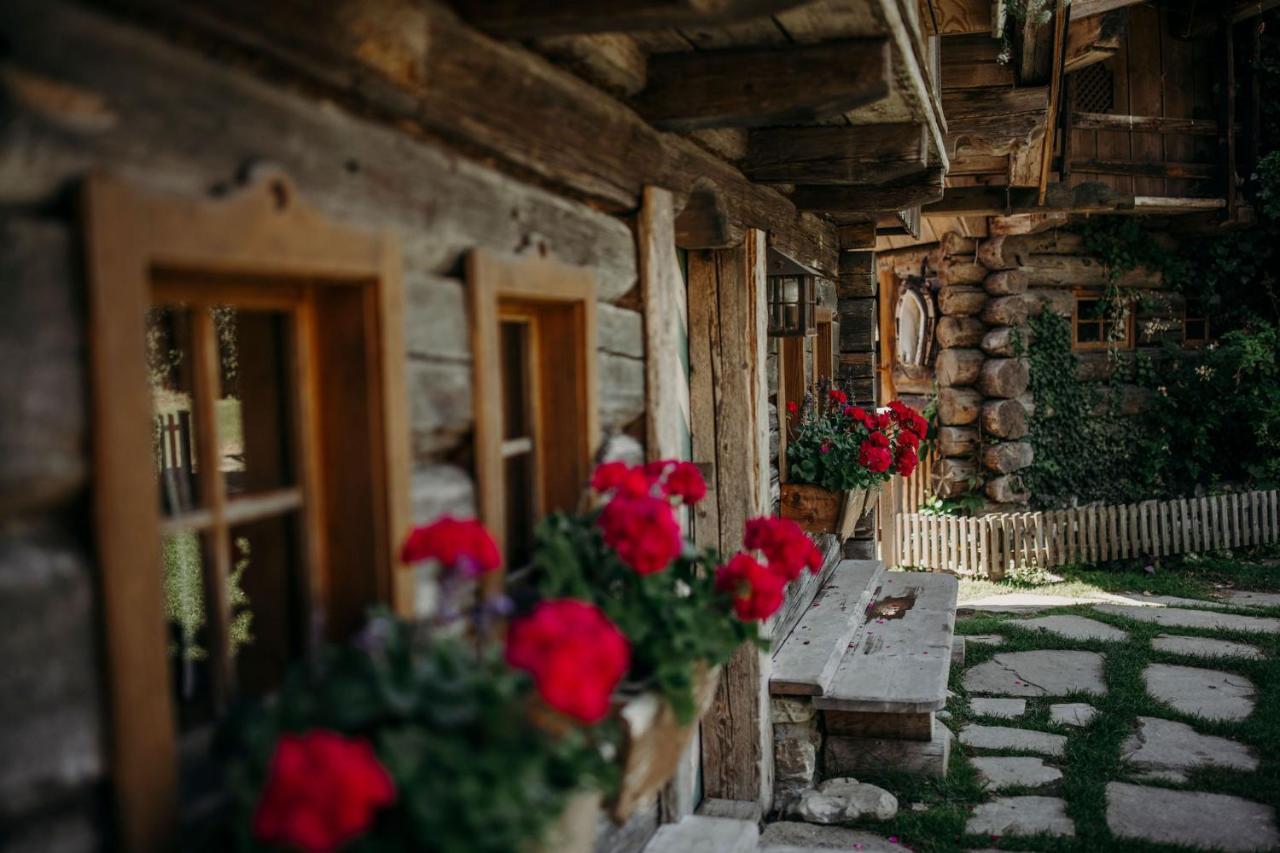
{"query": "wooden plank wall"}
{"type": "Point", "coordinates": [991, 545]}
{"type": "Point", "coordinates": [1155, 74]}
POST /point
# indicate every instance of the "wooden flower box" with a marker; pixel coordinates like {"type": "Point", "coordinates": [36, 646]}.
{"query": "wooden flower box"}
{"type": "Point", "coordinates": [654, 742]}
{"type": "Point", "coordinates": [818, 510]}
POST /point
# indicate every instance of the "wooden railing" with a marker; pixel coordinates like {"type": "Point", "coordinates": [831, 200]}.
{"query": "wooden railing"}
{"type": "Point", "coordinates": [991, 545]}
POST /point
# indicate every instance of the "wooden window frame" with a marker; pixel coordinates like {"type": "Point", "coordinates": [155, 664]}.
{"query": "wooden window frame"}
{"type": "Point", "coordinates": [1203, 317]}
{"type": "Point", "coordinates": [261, 233]}
{"type": "Point", "coordinates": [498, 285]}
{"type": "Point", "coordinates": [1103, 343]}
{"type": "Point", "coordinates": [824, 347]}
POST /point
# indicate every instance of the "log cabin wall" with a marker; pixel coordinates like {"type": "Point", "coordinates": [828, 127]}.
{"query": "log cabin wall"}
{"type": "Point", "coordinates": [986, 291]}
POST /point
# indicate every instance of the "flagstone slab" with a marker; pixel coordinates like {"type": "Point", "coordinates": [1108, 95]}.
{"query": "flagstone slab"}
{"type": "Point", "coordinates": [1072, 713]}
{"type": "Point", "coordinates": [1008, 709]}
{"type": "Point", "coordinates": [1191, 818]}
{"type": "Point", "coordinates": [1158, 744]}
{"type": "Point", "coordinates": [1204, 647]}
{"type": "Point", "coordinates": [1076, 628]}
{"type": "Point", "coordinates": [986, 639]}
{"type": "Point", "coordinates": [786, 834]}
{"type": "Point", "coordinates": [1021, 816]}
{"type": "Point", "coordinates": [1039, 673]}
{"type": "Point", "coordinates": [1177, 777]}
{"type": "Point", "coordinates": [1014, 771]}
{"type": "Point", "coordinates": [1178, 617]}
{"type": "Point", "coordinates": [1247, 598]}
{"type": "Point", "coordinates": [1146, 599]}
{"type": "Point", "coordinates": [1013, 739]}
{"type": "Point", "coordinates": [1206, 693]}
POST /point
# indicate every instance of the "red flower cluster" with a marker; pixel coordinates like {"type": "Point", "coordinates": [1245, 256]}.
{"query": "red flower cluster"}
{"type": "Point", "coordinates": [574, 653]}
{"type": "Point", "coordinates": [838, 397]}
{"type": "Point", "coordinates": [908, 420]}
{"type": "Point", "coordinates": [643, 531]}
{"type": "Point", "coordinates": [322, 791]}
{"type": "Point", "coordinates": [462, 544]}
{"type": "Point", "coordinates": [784, 544]}
{"type": "Point", "coordinates": [677, 479]}
{"type": "Point", "coordinates": [756, 589]}
{"type": "Point", "coordinates": [874, 453]}
{"type": "Point", "coordinates": [622, 479]}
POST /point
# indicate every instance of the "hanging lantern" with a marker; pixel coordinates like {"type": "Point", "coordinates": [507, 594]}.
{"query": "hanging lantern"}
{"type": "Point", "coordinates": [792, 299]}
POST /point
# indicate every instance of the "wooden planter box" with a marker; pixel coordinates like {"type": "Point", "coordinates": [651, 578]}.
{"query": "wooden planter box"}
{"type": "Point", "coordinates": [575, 830]}
{"type": "Point", "coordinates": [654, 742]}
{"type": "Point", "coordinates": [820, 511]}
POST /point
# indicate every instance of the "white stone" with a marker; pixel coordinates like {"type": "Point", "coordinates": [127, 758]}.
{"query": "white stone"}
{"type": "Point", "coordinates": [1007, 709]}
{"type": "Point", "coordinates": [1005, 737]}
{"type": "Point", "coordinates": [1205, 693]}
{"type": "Point", "coordinates": [793, 835]}
{"type": "Point", "coordinates": [1072, 713]}
{"type": "Point", "coordinates": [1021, 816]}
{"type": "Point", "coordinates": [1209, 620]}
{"type": "Point", "coordinates": [1204, 647]}
{"type": "Point", "coordinates": [1247, 598]}
{"type": "Point", "coordinates": [844, 800]}
{"type": "Point", "coordinates": [1076, 628]}
{"type": "Point", "coordinates": [790, 709]}
{"type": "Point", "coordinates": [1190, 818]}
{"type": "Point", "coordinates": [1041, 673]}
{"type": "Point", "coordinates": [1014, 771]}
{"type": "Point", "coordinates": [1158, 744]}
{"type": "Point", "coordinates": [1176, 777]}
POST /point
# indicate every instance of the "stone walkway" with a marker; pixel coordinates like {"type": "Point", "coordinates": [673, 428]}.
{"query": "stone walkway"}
{"type": "Point", "coordinates": [1023, 760]}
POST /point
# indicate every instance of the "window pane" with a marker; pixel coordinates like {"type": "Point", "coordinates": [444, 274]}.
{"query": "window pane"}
{"type": "Point", "coordinates": [185, 558]}
{"type": "Point", "coordinates": [171, 370]}
{"type": "Point", "coordinates": [1089, 332]}
{"type": "Point", "coordinates": [514, 342]}
{"type": "Point", "coordinates": [521, 510]}
{"type": "Point", "coordinates": [1197, 330]}
{"type": "Point", "coordinates": [268, 625]}
{"type": "Point", "coordinates": [253, 411]}
{"type": "Point", "coordinates": [1089, 309]}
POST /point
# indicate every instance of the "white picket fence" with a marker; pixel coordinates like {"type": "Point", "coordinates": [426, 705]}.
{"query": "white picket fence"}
{"type": "Point", "coordinates": [990, 545]}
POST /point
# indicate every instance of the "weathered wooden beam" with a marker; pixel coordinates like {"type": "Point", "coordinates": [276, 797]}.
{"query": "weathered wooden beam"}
{"type": "Point", "coordinates": [1061, 16]}
{"type": "Point", "coordinates": [893, 196]}
{"type": "Point", "coordinates": [1187, 171]}
{"type": "Point", "coordinates": [1095, 39]}
{"type": "Point", "coordinates": [705, 222]}
{"type": "Point", "coordinates": [435, 73]}
{"type": "Point", "coordinates": [994, 120]}
{"type": "Point", "coordinates": [1005, 201]}
{"type": "Point", "coordinates": [757, 87]}
{"type": "Point", "coordinates": [1149, 124]}
{"type": "Point", "coordinates": [524, 18]}
{"type": "Point", "coordinates": [835, 154]}
{"type": "Point", "coordinates": [856, 236]}
{"type": "Point", "coordinates": [1088, 8]}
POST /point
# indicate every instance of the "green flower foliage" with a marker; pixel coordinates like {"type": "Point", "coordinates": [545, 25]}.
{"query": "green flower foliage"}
{"type": "Point", "coordinates": [675, 619]}
{"type": "Point", "coordinates": [473, 772]}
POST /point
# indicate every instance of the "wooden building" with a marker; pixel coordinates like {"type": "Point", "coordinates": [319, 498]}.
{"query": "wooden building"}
{"type": "Point", "coordinates": [368, 261]}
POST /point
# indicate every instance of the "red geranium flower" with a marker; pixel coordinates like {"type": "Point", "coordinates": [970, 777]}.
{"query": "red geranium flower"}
{"type": "Point", "coordinates": [792, 407]}
{"type": "Point", "coordinates": [874, 458]}
{"type": "Point", "coordinates": [906, 461]}
{"type": "Point", "coordinates": [455, 543]}
{"type": "Point", "coordinates": [685, 482]}
{"type": "Point", "coordinates": [322, 791]}
{"type": "Point", "coordinates": [908, 438]}
{"type": "Point", "coordinates": [642, 530]}
{"type": "Point", "coordinates": [878, 439]}
{"type": "Point", "coordinates": [838, 397]}
{"type": "Point", "coordinates": [574, 653]}
{"type": "Point", "coordinates": [856, 413]}
{"type": "Point", "coordinates": [786, 548]}
{"type": "Point", "coordinates": [622, 478]}
{"type": "Point", "coordinates": [756, 591]}
{"type": "Point", "coordinates": [883, 420]}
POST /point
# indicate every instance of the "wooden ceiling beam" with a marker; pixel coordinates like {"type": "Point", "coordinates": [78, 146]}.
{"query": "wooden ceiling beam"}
{"type": "Point", "coordinates": [834, 154]}
{"type": "Point", "coordinates": [526, 18]}
{"type": "Point", "coordinates": [1094, 39]}
{"type": "Point", "coordinates": [892, 197]}
{"type": "Point", "coordinates": [758, 87]}
{"type": "Point", "coordinates": [994, 120]}
{"type": "Point", "coordinates": [1007, 201]}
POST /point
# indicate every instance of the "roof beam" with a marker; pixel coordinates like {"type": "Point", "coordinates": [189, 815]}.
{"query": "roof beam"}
{"type": "Point", "coordinates": [525, 18]}
{"type": "Point", "coordinates": [866, 198]}
{"type": "Point", "coordinates": [757, 87]}
{"type": "Point", "coordinates": [1059, 198]}
{"type": "Point", "coordinates": [833, 154]}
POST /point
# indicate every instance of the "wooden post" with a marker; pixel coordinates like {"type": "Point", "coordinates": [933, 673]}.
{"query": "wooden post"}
{"type": "Point", "coordinates": [728, 397]}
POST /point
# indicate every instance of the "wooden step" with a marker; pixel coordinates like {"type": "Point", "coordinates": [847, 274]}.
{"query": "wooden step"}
{"type": "Point", "coordinates": [807, 660]}
{"type": "Point", "coordinates": [901, 660]}
{"type": "Point", "coordinates": [697, 834]}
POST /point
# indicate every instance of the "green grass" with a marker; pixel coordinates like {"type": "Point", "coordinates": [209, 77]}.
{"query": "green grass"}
{"type": "Point", "coordinates": [1093, 752]}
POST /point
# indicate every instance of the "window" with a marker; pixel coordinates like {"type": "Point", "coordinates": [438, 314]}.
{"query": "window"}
{"type": "Point", "coordinates": [1094, 328]}
{"type": "Point", "coordinates": [824, 359]}
{"type": "Point", "coordinates": [1195, 324]}
{"type": "Point", "coordinates": [250, 463]}
{"type": "Point", "coordinates": [534, 345]}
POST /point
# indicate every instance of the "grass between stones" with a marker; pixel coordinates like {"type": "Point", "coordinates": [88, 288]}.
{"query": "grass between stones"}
{"type": "Point", "coordinates": [1093, 752]}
